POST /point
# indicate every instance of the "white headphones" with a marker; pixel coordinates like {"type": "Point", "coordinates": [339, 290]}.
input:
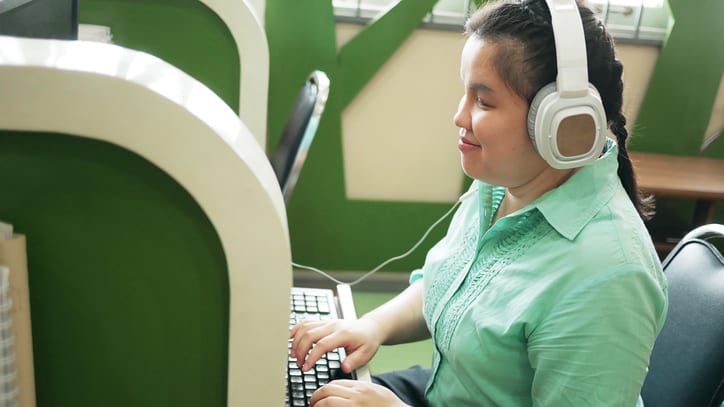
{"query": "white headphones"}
{"type": "Point", "coordinates": [566, 119]}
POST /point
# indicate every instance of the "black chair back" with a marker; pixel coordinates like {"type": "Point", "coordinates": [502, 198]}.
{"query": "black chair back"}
{"type": "Point", "coordinates": [687, 363]}
{"type": "Point", "coordinates": [299, 131]}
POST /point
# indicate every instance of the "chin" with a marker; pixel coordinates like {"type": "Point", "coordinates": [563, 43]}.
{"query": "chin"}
{"type": "Point", "coordinates": [472, 169]}
{"type": "Point", "coordinates": [474, 175]}
{"type": "Point", "coordinates": [482, 176]}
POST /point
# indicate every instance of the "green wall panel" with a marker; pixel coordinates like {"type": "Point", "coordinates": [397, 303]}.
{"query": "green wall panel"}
{"type": "Point", "coordinates": [326, 229]}
{"type": "Point", "coordinates": [185, 33]}
{"type": "Point", "coordinates": [678, 104]}
{"type": "Point", "coordinates": [128, 283]}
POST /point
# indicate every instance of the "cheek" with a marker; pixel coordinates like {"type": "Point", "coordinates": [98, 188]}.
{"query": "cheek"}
{"type": "Point", "coordinates": [520, 139]}
{"type": "Point", "coordinates": [526, 145]}
{"type": "Point", "coordinates": [508, 141]}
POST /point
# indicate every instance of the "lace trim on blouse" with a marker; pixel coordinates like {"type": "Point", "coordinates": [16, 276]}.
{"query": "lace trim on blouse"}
{"type": "Point", "coordinates": [528, 229]}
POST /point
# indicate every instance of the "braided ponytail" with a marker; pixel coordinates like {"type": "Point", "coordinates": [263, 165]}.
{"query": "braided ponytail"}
{"type": "Point", "coordinates": [644, 203]}
{"type": "Point", "coordinates": [609, 78]}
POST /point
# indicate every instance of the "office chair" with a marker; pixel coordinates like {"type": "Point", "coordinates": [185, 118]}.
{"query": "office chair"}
{"type": "Point", "coordinates": [687, 363]}
{"type": "Point", "coordinates": [299, 131]}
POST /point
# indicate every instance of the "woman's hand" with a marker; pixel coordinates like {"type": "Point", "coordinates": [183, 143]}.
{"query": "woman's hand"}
{"type": "Point", "coordinates": [345, 393]}
{"type": "Point", "coordinates": [312, 339]}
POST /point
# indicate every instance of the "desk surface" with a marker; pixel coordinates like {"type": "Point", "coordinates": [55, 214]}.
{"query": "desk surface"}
{"type": "Point", "coordinates": [681, 177]}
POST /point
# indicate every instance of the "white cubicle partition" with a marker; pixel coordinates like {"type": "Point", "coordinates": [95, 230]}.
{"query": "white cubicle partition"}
{"type": "Point", "coordinates": [245, 21]}
{"type": "Point", "coordinates": [147, 106]}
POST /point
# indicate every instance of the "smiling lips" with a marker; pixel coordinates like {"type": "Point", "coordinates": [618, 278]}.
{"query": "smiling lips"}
{"type": "Point", "coordinates": [466, 145]}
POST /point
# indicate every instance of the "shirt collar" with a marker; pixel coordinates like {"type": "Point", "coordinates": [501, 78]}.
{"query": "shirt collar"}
{"type": "Point", "coordinates": [572, 205]}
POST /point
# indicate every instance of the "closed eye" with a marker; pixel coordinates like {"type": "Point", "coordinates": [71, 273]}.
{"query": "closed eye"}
{"type": "Point", "coordinates": [480, 103]}
{"type": "Point", "coordinates": [480, 91]}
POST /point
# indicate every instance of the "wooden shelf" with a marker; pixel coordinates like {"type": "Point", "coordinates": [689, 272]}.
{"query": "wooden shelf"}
{"type": "Point", "coordinates": [698, 178]}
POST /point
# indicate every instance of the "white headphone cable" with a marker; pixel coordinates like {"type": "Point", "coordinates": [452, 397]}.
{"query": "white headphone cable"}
{"type": "Point", "coordinates": [391, 259]}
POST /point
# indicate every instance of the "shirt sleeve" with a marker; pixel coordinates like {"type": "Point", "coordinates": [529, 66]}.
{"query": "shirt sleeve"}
{"type": "Point", "coordinates": [416, 275]}
{"type": "Point", "coordinates": [593, 348]}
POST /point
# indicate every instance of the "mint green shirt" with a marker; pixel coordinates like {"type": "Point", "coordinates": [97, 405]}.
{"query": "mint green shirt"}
{"type": "Point", "coordinates": [557, 304]}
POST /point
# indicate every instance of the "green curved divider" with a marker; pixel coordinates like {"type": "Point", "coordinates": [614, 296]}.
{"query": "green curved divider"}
{"type": "Point", "coordinates": [128, 280]}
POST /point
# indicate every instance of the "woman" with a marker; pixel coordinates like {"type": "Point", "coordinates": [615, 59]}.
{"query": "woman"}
{"type": "Point", "coordinates": [546, 289]}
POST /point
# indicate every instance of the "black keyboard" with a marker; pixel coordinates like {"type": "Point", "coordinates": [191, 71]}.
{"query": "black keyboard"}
{"type": "Point", "coordinates": [318, 305]}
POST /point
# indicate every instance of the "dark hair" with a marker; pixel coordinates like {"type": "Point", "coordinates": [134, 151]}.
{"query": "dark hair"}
{"type": "Point", "coordinates": [526, 61]}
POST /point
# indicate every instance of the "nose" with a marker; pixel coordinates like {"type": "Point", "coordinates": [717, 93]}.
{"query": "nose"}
{"type": "Point", "coordinates": [462, 117]}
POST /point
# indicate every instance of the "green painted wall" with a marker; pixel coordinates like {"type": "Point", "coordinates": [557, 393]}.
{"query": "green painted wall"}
{"type": "Point", "coordinates": [680, 97]}
{"type": "Point", "coordinates": [328, 230]}
{"type": "Point", "coordinates": [679, 101]}
{"type": "Point", "coordinates": [128, 284]}
{"type": "Point", "coordinates": [184, 33]}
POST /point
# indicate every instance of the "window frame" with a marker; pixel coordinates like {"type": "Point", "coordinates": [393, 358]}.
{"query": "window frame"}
{"type": "Point", "coordinates": [637, 32]}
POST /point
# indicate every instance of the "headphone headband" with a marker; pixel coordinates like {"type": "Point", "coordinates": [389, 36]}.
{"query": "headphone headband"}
{"type": "Point", "coordinates": [570, 42]}
{"type": "Point", "coordinates": [566, 118]}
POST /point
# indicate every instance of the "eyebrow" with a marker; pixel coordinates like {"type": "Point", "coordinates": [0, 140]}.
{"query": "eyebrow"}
{"type": "Point", "coordinates": [481, 88]}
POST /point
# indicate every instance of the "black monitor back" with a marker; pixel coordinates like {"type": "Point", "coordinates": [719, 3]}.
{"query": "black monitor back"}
{"type": "Point", "coordinates": [53, 19]}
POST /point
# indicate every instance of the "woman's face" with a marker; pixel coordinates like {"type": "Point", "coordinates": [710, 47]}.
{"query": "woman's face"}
{"type": "Point", "coordinates": [494, 143]}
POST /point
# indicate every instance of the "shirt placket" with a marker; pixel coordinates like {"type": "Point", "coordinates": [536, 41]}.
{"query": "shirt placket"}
{"type": "Point", "coordinates": [484, 224]}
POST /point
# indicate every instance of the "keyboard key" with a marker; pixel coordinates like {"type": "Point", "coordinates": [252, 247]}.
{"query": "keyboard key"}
{"type": "Point", "coordinates": [312, 305]}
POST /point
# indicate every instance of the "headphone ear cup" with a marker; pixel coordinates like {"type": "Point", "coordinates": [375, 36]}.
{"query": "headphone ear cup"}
{"type": "Point", "coordinates": [535, 107]}
{"type": "Point", "coordinates": [562, 138]}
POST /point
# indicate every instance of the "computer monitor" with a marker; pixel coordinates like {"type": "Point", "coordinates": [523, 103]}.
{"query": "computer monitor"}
{"type": "Point", "coordinates": [51, 19]}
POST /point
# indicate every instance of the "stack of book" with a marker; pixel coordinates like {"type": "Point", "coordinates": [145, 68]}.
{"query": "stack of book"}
{"type": "Point", "coordinates": [17, 380]}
